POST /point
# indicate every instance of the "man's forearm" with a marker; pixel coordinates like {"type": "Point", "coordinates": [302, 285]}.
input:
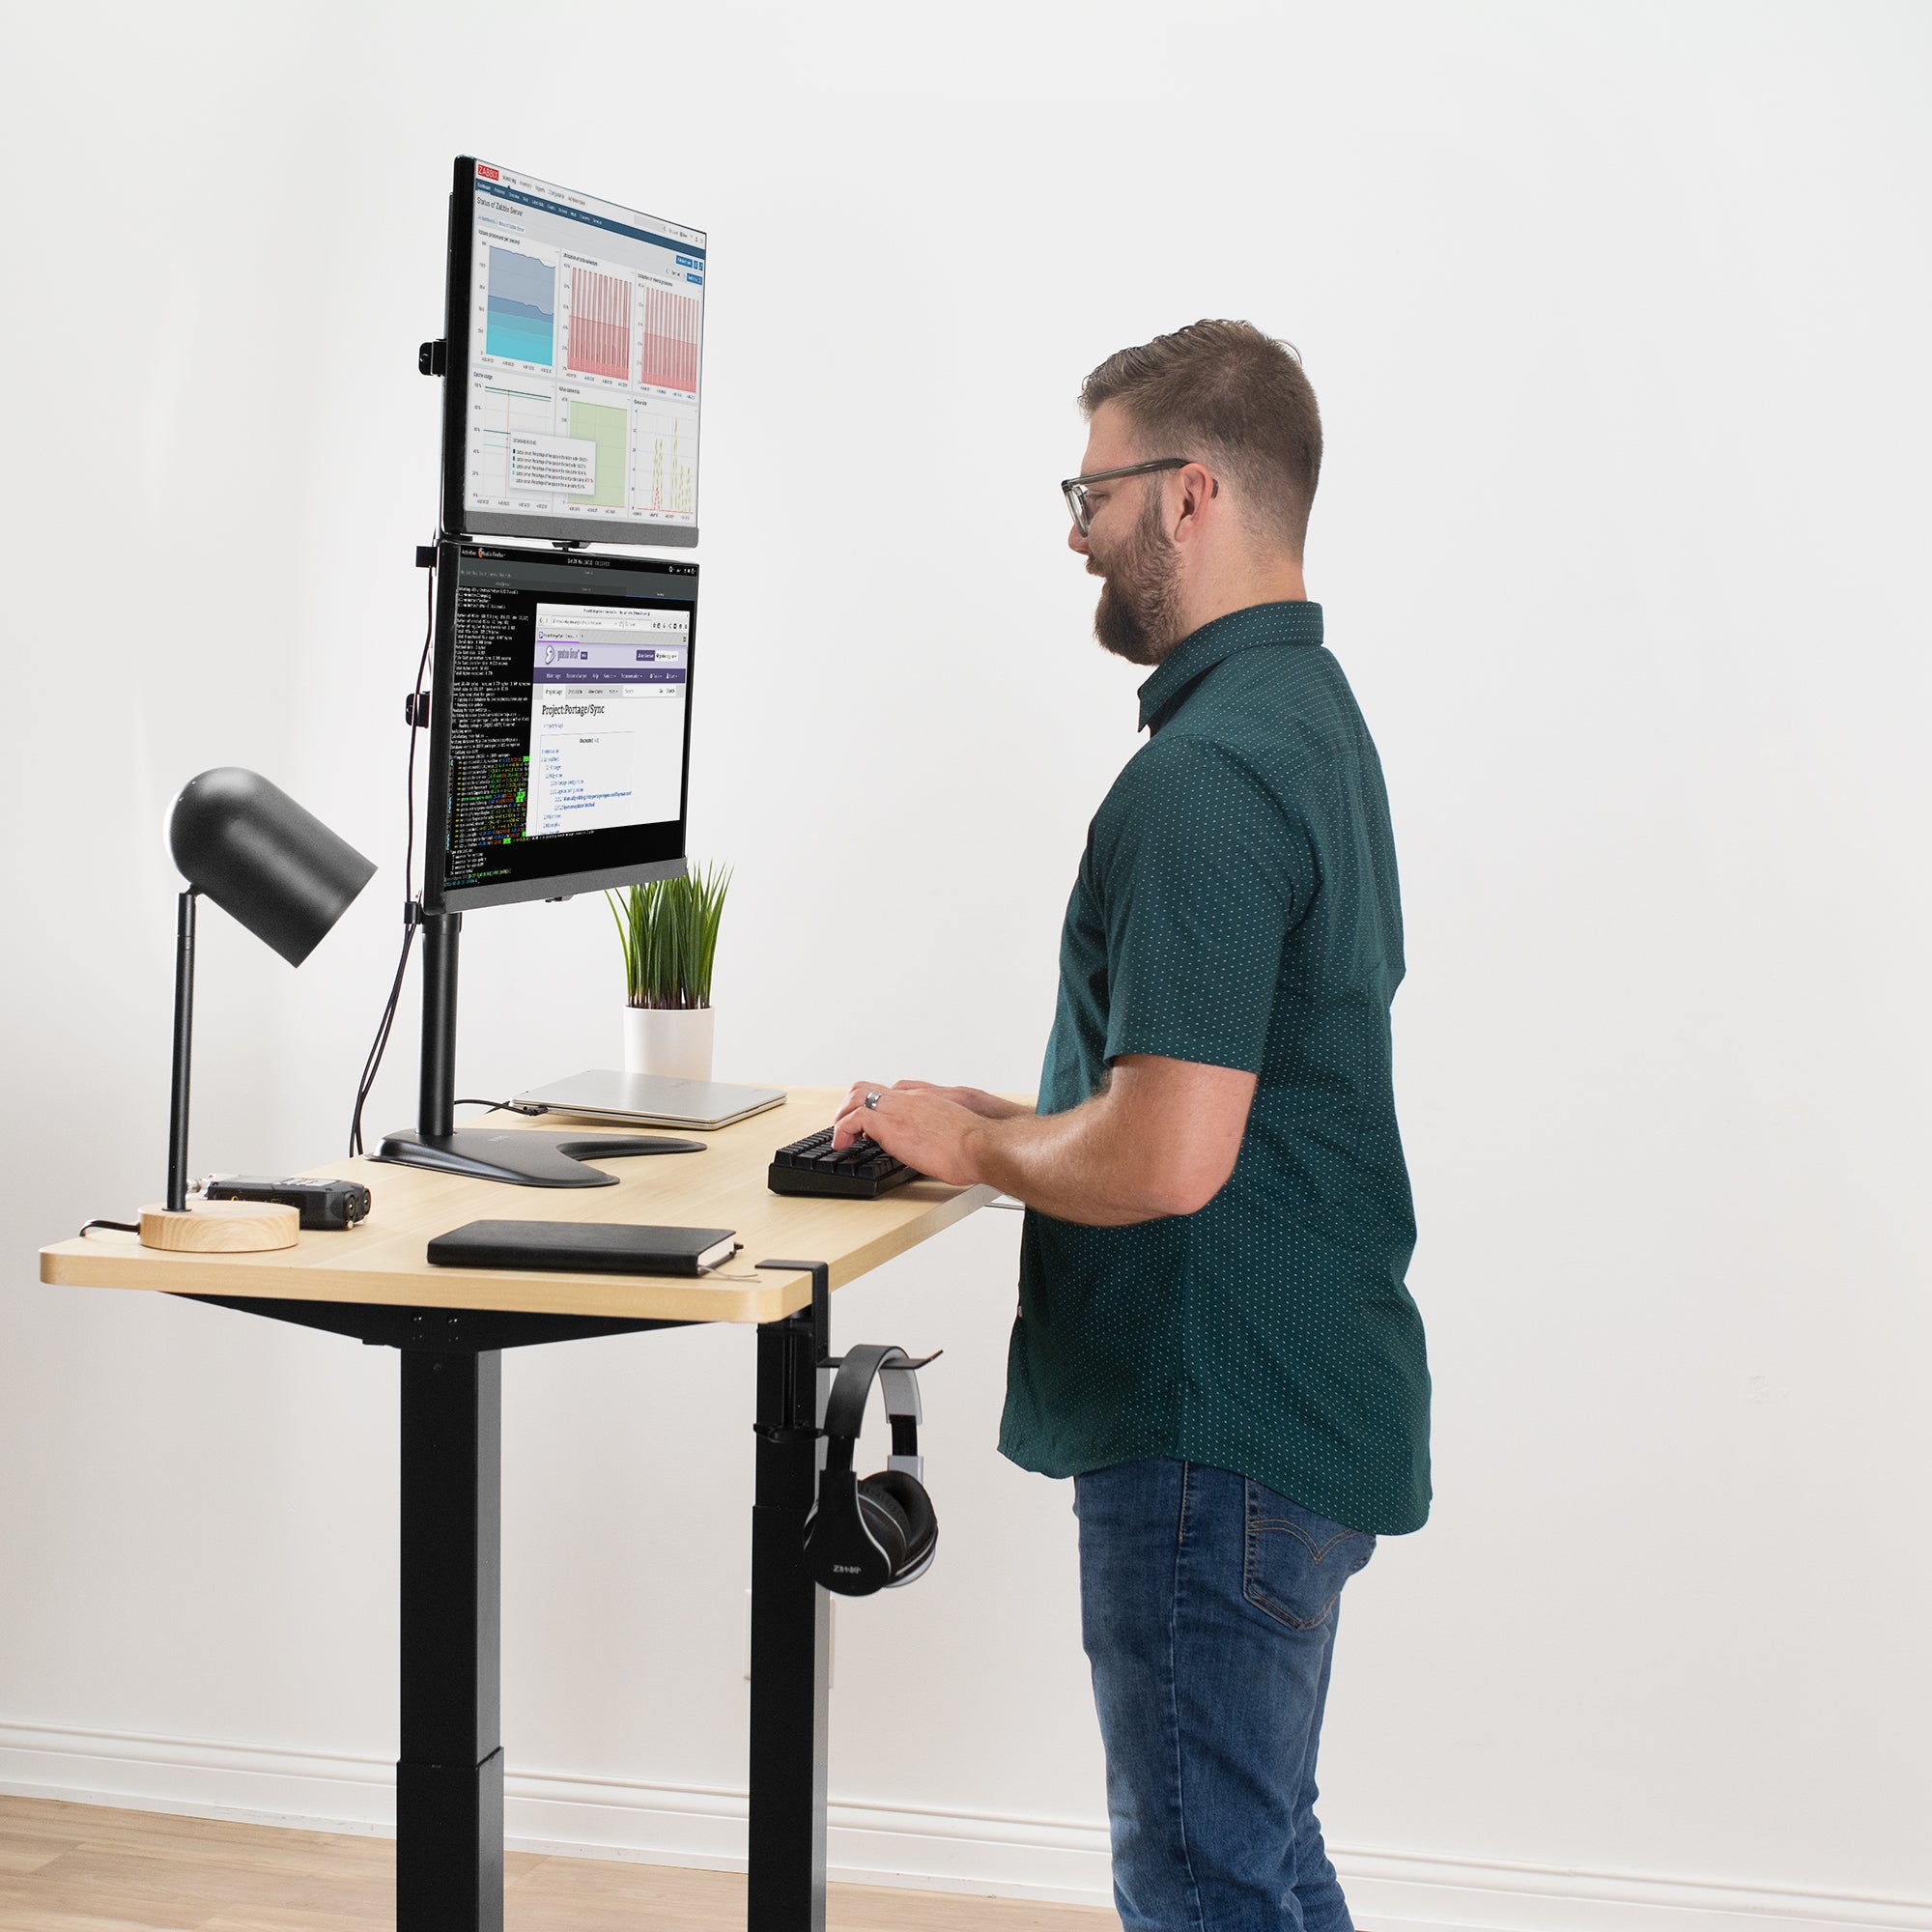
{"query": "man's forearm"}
{"type": "Point", "coordinates": [1073, 1166]}
{"type": "Point", "coordinates": [1161, 1138]}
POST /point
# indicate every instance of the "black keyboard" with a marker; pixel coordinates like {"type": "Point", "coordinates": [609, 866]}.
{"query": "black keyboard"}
{"type": "Point", "coordinates": [863, 1170]}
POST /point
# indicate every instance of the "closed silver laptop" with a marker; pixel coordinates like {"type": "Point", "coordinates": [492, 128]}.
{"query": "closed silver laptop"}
{"type": "Point", "coordinates": [652, 1099]}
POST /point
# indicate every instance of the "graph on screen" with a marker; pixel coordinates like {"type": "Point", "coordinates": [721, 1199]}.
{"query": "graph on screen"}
{"type": "Point", "coordinates": [599, 341]}
{"type": "Point", "coordinates": [666, 444]}
{"type": "Point", "coordinates": [606, 425]}
{"type": "Point", "coordinates": [521, 308]}
{"type": "Point", "coordinates": [499, 413]}
{"type": "Point", "coordinates": [671, 340]}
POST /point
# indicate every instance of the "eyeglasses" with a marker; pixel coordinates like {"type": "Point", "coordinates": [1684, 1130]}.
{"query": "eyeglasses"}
{"type": "Point", "coordinates": [1080, 505]}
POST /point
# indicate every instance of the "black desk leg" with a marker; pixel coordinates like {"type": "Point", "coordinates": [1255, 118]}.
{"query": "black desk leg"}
{"type": "Point", "coordinates": [449, 1782]}
{"type": "Point", "coordinates": [790, 1646]}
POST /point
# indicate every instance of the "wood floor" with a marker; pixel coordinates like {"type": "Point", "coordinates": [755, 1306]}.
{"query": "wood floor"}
{"type": "Point", "coordinates": [81, 1868]}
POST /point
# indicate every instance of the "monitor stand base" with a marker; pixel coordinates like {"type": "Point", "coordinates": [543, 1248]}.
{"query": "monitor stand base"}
{"type": "Point", "coordinates": [522, 1156]}
{"type": "Point", "coordinates": [525, 1157]}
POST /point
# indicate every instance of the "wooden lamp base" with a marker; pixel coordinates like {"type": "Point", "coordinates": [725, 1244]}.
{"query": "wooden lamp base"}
{"type": "Point", "coordinates": [221, 1227]}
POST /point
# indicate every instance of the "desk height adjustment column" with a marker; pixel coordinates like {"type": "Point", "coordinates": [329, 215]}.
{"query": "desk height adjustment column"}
{"type": "Point", "coordinates": [449, 1779]}
{"type": "Point", "coordinates": [791, 1627]}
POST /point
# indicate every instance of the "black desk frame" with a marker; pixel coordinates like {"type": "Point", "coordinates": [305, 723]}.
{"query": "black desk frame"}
{"type": "Point", "coordinates": [450, 1770]}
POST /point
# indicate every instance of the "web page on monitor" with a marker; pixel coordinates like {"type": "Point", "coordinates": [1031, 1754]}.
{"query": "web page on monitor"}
{"type": "Point", "coordinates": [608, 694]}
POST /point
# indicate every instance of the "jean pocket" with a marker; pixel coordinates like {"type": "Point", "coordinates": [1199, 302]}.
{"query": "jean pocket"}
{"type": "Point", "coordinates": [1297, 1562]}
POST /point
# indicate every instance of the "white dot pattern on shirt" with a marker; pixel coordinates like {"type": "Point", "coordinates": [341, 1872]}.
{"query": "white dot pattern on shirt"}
{"type": "Point", "coordinates": [1238, 905]}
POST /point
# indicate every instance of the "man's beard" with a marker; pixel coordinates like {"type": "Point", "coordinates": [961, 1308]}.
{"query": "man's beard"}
{"type": "Point", "coordinates": [1138, 617]}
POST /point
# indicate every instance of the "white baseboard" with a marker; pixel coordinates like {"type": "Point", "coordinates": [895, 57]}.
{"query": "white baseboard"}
{"type": "Point", "coordinates": [1391, 1889]}
{"type": "Point", "coordinates": [873, 1843]}
{"type": "Point", "coordinates": [549, 1811]}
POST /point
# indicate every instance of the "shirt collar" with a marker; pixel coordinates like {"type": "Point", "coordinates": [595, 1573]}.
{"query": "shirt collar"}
{"type": "Point", "coordinates": [1195, 656]}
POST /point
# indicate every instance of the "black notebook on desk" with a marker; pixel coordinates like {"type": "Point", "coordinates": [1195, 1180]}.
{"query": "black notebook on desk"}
{"type": "Point", "coordinates": [582, 1247]}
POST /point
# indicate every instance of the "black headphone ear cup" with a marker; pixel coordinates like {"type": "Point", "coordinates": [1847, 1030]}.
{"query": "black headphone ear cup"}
{"type": "Point", "coordinates": [908, 1498]}
{"type": "Point", "coordinates": [887, 1522]}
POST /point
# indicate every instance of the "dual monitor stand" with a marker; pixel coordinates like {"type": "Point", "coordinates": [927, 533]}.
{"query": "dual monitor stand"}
{"type": "Point", "coordinates": [522, 1156]}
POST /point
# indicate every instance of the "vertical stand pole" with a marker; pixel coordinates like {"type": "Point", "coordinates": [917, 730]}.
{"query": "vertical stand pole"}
{"type": "Point", "coordinates": [790, 1643]}
{"type": "Point", "coordinates": [449, 1779]}
{"type": "Point", "coordinates": [183, 1052]}
{"type": "Point", "coordinates": [436, 1111]}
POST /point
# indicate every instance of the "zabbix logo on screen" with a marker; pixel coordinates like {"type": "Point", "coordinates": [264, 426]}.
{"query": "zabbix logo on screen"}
{"type": "Point", "coordinates": [486, 172]}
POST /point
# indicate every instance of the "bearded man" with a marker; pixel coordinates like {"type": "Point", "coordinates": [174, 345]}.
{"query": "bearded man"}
{"type": "Point", "coordinates": [1215, 1338]}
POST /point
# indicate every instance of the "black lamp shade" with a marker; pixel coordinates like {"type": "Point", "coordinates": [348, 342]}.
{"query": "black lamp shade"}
{"type": "Point", "coordinates": [264, 859]}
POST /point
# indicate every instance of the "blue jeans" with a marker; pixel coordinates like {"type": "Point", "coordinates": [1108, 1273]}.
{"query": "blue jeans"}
{"type": "Point", "coordinates": [1207, 1608]}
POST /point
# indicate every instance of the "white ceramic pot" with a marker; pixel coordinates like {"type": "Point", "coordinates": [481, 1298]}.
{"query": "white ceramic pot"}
{"type": "Point", "coordinates": [671, 1041]}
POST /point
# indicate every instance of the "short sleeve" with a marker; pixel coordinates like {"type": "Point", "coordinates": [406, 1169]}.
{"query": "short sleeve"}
{"type": "Point", "coordinates": [1202, 874]}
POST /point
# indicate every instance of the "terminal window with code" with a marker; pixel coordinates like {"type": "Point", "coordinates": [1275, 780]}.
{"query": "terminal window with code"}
{"type": "Point", "coordinates": [568, 712]}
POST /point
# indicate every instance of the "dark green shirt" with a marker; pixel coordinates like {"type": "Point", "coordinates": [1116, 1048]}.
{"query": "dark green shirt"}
{"type": "Point", "coordinates": [1237, 905]}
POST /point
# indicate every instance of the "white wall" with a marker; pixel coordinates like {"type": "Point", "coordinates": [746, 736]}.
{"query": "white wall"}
{"type": "Point", "coordinates": [1617, 317]}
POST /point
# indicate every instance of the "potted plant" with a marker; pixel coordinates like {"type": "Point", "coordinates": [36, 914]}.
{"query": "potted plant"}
{"type": "Point", "coordinates": [669, 930]}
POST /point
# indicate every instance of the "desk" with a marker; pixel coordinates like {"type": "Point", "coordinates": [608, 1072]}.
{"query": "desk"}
{"type": "Point", "coordinates": [451, 1328]}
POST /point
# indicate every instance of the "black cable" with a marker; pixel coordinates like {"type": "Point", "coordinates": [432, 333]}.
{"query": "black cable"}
{"type": "Point", "coordinates": [119, 1227]}
{"type": "Point", "coordinates": [372, 1065]}
{"type": "Point", "coordinates": [415, 712]}
{"type": "Point", "coordinates": [503, 1107]}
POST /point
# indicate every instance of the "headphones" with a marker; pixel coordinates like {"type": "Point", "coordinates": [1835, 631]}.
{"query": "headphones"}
{"type": "Point", "coordinates": [881, 1532]}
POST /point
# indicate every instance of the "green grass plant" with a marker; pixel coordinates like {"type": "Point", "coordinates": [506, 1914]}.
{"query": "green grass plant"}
{"type": "Point", "coordinates": [669, 930]}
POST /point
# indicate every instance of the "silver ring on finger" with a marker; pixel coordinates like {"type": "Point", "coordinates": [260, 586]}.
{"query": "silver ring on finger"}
{"type": "Point", "coordinates": [871, 1101]}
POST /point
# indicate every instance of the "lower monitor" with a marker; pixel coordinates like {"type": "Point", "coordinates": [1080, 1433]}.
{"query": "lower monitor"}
{"type": "Point", "coordinates": [560, 723]}
{"type": "Point", "coordinates": [559, 749]}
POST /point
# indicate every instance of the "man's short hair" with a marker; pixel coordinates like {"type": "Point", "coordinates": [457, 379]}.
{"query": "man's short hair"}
{"type": "Point", "coordinates": [1222, 392]}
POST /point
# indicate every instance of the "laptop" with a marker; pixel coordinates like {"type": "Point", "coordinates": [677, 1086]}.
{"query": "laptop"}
{"type": "Point", "coordinates": [651, 1099]}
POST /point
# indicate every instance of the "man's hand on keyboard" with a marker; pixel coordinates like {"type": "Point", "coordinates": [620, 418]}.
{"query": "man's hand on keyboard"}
{"type": "Point", "coordinates": [974, 1099]}
{"type": "Point", "coordinates": [1161, 1138]}
{"type": "Point", "coordinates": [918, 1123]}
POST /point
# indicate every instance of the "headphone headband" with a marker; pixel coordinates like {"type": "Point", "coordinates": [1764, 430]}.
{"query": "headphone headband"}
{"type": "Point", "coordinates": [846, 1407]}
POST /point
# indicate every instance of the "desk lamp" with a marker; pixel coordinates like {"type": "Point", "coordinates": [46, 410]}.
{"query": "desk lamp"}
{"type": "Point", "coordinates": [288, 878]}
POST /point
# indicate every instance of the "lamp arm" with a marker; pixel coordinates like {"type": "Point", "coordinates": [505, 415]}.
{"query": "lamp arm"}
{"type": "Point", "coordinates": [184, 1041]}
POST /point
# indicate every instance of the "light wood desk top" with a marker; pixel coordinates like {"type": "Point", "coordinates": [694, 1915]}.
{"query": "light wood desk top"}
{"type": "Point", "coordinates": [382, 1259]}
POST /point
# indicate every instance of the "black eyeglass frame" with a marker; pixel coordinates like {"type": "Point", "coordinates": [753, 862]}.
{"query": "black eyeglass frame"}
{"type": "Point", "coordinates": [1074, 488]}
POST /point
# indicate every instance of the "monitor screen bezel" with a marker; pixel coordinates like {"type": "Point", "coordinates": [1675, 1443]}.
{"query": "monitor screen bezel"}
{"type": "Point", "coordinates": [458, 520]}
{"type": "Point", "coordinates": [438, 895]}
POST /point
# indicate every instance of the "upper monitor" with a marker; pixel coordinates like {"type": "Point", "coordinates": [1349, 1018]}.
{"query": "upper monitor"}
{"type": "Point", "coordinates": [560, 723]}
{"type": "Point", "coordinates": [575, 333]}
